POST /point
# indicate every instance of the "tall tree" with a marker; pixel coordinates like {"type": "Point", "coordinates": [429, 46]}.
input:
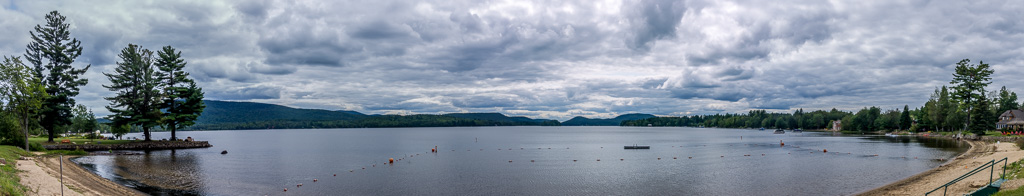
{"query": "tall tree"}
{"type": "Point", "coordinates": [1007, 100]}
{"type": "Point", "coordinates": [22, 91]}
{"type": "Point", "coordinates": [84, 120]}
{"type": "Point", "coordinates": [137, 99]}
{"type": "Point", "coordinates": [905, 118]}
{"type": "Point", "coordinates": [182, 100]}
{"type": "Point", "coordinates": [969, 82]}
{"type": "Point", "coordinates": [52, 51]}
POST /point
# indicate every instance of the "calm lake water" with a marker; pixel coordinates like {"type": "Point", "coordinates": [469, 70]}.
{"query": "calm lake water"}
{"type": "Point", "coordinates": [475, 161]}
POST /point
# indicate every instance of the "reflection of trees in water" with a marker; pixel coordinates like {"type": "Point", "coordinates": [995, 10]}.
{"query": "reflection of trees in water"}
{"type": "Point", "coordinates": [162, 169]}
{"type": "Point", "coordinates": [944, 144]}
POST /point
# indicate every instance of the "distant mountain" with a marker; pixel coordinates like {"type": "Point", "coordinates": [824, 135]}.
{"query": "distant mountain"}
{"type": "Point", "coordinates": [496, 117]}
{"type": "Point", "coordinates": [229, 115]}
{"type": "Point", "coordinates": [217, 112]}
{"type": "Point", "coordinates": [584, 121]}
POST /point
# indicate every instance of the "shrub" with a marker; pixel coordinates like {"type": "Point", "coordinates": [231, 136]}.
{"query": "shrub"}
{"type": "Point", "coordinates": [36, 147]}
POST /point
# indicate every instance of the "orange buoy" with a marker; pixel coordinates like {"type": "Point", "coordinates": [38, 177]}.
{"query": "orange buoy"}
{"type": "Point", "coordinates": [674, 158]}
{"type": "Point", "coordinates": [433, 150]}
{"type": "Point", "coordinates": [391, 160]}
{"type": "Point", "coordinates": [299, 185]}
{"type": "Point", "coordinates": [531, 161]}
{"type": "Point", "coordinates": [574, 160]}
{"type": "Point", "coordinates": [824, 150]}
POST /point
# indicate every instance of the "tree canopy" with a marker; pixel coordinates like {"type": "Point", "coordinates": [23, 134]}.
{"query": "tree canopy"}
{"type": "Point", "coordinates": [52, 51]}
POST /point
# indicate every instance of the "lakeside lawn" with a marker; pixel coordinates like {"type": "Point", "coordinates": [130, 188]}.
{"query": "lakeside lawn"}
{"type": "Point", "coordinates": [77, 140]}
{"type": "Point", "coordinates": [9, 181]}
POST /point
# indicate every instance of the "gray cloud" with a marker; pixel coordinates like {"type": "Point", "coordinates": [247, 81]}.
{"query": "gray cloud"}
{"type": "Point", "coordinates": [550, 59]}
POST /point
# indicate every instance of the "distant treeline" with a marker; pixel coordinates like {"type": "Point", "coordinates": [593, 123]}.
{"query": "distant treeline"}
{"type": "Point", "coordinates": [753, 119]}
{"type": "Point", "coordinates": [421, 120]}
{"type": "Point", "coordinates": [940, 113]}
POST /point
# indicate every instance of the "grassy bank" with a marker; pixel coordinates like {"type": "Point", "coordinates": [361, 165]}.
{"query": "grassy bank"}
{"type": "Point", "coordinates": [77, 140]}
{"type": "Point", "coordinates": [9, 181]}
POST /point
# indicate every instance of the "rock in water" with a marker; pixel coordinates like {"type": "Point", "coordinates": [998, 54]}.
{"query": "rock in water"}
{"type": "Point", "coordinates": [224, 152]}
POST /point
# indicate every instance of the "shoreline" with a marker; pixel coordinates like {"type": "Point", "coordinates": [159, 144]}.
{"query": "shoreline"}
{"type": "Point", "coordinates": [979, 153]}
{"type": "Point", "coordinates": [42, 175]}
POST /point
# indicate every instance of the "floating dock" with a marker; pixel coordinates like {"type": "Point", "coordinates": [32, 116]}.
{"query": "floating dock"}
{"type": "Point", "coordinates": [637, 147]}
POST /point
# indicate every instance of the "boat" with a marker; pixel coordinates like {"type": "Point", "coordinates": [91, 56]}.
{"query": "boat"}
{"type": "Point", "coordinates": [762, 129]}
{"type": "Point", "coordinates": [636, 147]}
{"type": "Point", "coordinates": [780, 131]}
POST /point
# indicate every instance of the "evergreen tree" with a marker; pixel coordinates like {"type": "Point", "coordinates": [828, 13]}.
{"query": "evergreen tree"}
{"type": "Point", "coordinates": [905, 118]}
{"type": "Point", "coordinates": [1007, 101]}
{"type": "Point", "coordinates": [969, 82]}
{"type": "Point", "coordinates": [137, 101]}
{"type": "Point", "coordinates": [52, 51]}
{"type": "Point", "coordinates": [182, 100]}
{"type": "Point", "coordinates": [84, 120]}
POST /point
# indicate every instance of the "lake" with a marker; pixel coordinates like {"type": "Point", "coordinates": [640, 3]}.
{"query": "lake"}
{"type": "Point", "coordinates": [524, 161]}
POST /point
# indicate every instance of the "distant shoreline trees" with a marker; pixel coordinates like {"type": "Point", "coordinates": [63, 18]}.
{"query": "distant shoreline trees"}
{"type": "Point", "coordinates": [967, 107]}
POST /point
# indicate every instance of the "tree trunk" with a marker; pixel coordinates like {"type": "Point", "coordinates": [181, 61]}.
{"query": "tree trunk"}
{"type": "Point", "coordinates": [24, 127]}
{"type": "Point", "coordinates": [173, 127]}
{"type": "Point", "coordinates": [145, 131]}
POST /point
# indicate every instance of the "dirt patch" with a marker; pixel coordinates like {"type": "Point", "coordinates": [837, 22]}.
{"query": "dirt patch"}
{"type": "Point", "coordinates": [43, 177]}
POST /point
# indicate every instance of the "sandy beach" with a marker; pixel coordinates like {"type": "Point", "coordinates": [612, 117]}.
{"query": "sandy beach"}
{"type": "Point", "coordinates": [980, 153]}
{"type": "Point", "coordinates": [42, 176]}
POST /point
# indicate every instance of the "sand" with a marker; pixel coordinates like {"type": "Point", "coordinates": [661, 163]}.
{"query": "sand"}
{"type": "Point", "coordinates": [42, 176]}
{"type": "Point", "coordinates": [980, 153]}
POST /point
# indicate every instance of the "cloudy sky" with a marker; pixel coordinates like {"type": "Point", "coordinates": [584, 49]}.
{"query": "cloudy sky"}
{"type": "Point", "coordinates": [549, 59]}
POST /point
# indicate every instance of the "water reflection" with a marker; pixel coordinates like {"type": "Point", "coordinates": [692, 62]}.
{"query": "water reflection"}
{"type": "Point", "coordinates": [154, 172]}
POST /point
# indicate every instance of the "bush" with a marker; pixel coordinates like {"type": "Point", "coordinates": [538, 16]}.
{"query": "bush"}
{"type": "Point", "coordinates": [92, 136]}
{"type": "Point", "coordinates": [36, 146]}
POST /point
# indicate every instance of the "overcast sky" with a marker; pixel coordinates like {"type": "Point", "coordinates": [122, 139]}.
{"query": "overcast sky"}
{"type": "Point", "coordinates": [548, 59]}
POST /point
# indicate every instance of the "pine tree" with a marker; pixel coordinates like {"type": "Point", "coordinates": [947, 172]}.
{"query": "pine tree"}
{"type": "Point", "coordinates": [905, 118]}
{"type": "Point", "coordinates": [1007, 101]}
{"type": "Point", "coordinates": [52, 51]}
{"type": "Point", "coordinates": [138, 98]}
{"type": "Point", "coordinates": [182, 100]}
{"type": "Point", "coordinates": [970, 81]}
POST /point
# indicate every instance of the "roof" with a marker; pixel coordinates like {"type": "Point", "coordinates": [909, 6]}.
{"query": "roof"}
{"type": "Point", "coordinates": [1011, 117]}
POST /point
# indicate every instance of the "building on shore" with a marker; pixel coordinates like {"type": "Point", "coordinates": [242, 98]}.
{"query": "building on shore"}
{"type": "Point", "coordinates": [837, 125]}
{"type": "Point", "coordinates": [1011, 120]}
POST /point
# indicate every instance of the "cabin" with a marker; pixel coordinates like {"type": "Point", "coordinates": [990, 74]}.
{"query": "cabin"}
{"type": "Point", "coordinates": [1011, 120]}
{"type": "Point", "coordinates": [837, 125]}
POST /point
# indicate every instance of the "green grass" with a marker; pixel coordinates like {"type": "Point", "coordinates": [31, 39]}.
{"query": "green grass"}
{"type": "Point", "coordinates": [1018, 191]}
{"type": "Point", "coordinates": [67, 152]}
{"type": "Point", "coordinates": [9, 181]}
{"type": "Point", "coordinates": [77, 140]}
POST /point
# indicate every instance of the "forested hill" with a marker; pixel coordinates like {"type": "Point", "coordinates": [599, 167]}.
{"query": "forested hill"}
{"type": "Point", "coordinates": [227, 115]}
{"type": "Point", "coordinates": [217, 112]}
{"type": "Point", "coordinates": [583, 121]}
